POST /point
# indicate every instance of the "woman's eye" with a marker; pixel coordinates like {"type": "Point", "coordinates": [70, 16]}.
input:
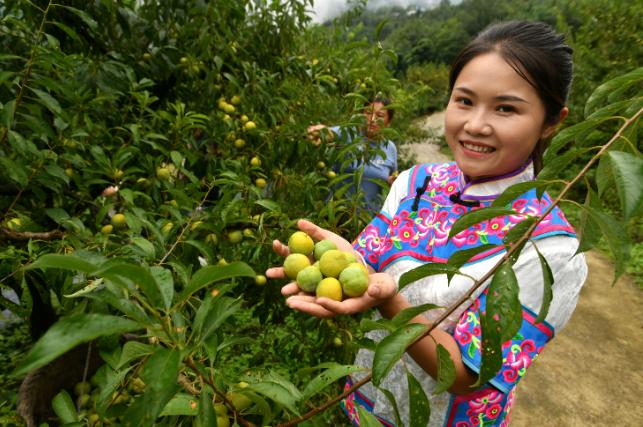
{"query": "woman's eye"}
{"type": "Point", "coordinates": [506, 108]}
{"type": "Point", "coordinates": [463, 101]}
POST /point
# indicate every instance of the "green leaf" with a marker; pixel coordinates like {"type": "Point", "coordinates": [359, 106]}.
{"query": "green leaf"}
{"type": "Point", "coordinates": [516, 232]}
{"type": "Point", "coordinates": [589, 232]}
{"type": "Point", "coordinates": [628, 175]}
{"type": "Point", "coordinates": [569, 134]}
{"type": "Point", "coordinates": [70, 331]}
{"type": "Point", "coordinates": [504, 311]}
{"type": "Point", "coordinates": [48, 101]}
{"type": "Point", "coordinates": [165, 283]}
{"type": "Point", "coordinates": [134, 350]}
{"type": "Point", "coordinates": [84, 16]}
{"type": "Point", "coordinates": [181, 404]}
{"type": "Point", "coordinates": [446, 370]}
{"type": "Point", "coordinates": [117, 270]}
{"type": "Point", "coordinates": [92, 286]}
{"type": "Point", "coordinates": [461, 257]}
{"type": "Point", "coordinates": [160, 373]}
{"type": "Point", "coordinates": [57, 214]}
{"type": "Point", "coordinates": [425, 270]}
{"type": "Point", "coordinates": [404, 316]}
{"type": "Point", "coordinates": [328, 377]}
{"type": "Point", "coordinates": [419, 407]}
{"type": "Point", "coordinates": [604, 178]}
{"type": "Point", "coordinates": [145, 246]}
{"type": "Point", "coordinates": [65, 262]}
{"type": "Point", "coordinates": [477, 216]}
{"type": "Point", "coordinates": [548, 282]}
{"type": "Point", "coordinates": [392, 347]}
{"type": "Point", "coordinates": [379, 28]}
{"type": "Point", "coordinates": [512, 193]}
{"type": "Point", "coordinates": [206, 416]}
{"type": "Point", "coordinates": [215, 273]}
{"type": "Point", "coordinates": [269, 205]}
{"type": "Point", "coordinates": [366, 418]}
{"type": "Point", "coordinates": [64, 407]}
{"type": "Point", "coordinates": [15, 171]}
{"type": "Point", "coordinates": [605, 90]}
{"type": "Point", "coordinates": [217, 314]}
{"type": "Point", "coordinates": [491, 351]}
{"type": "Point", "coordinates": [617, 239]}
{"type": "Point", "coordinates": [560, 162]}
{"type": "Point", "coordinates": [393, 403]}
{"type": "Point", "coordinates": [280, 391]}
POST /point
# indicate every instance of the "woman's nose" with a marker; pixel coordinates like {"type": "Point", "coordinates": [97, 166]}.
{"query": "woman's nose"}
{"type": "Point", "coordinates": [477, 123]}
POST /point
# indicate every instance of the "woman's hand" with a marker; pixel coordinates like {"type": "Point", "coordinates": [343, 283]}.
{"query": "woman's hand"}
{"type": "Point", "coordinates": [380, 288]}
{"type": "Point", "coordinates": [314, 134]}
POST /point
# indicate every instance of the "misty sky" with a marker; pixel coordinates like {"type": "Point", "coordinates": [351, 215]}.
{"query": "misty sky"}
{"type": "Point", "coordinates": [328, 9]}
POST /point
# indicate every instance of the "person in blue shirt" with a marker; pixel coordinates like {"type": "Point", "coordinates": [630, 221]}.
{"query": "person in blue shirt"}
{"type": "Point", "coordinates": [380, 161]}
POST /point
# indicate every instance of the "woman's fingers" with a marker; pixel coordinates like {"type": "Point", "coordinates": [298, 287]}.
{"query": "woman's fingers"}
{"type": "Point", "coordinates": [381, 286]}
{"type": "Point", "coordinates": [280, 249]}
{"type": "Point", "coordinates": [290, 289]}
{"type": "Point", "coordinates": [307, 304]}
{"type": "Point", "coordinates": [276, 273]}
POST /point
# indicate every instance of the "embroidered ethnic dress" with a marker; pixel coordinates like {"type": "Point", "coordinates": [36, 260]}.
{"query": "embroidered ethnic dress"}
{"type": "Point", "coordinates": [412, 229]}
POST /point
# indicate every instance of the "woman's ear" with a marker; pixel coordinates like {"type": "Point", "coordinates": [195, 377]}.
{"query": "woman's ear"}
{"type": "Point", "coordinates": [550, 129]}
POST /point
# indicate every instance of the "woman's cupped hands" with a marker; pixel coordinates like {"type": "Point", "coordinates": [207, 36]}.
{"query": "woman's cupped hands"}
{"type": "Point", "coordinates": [381, 286]}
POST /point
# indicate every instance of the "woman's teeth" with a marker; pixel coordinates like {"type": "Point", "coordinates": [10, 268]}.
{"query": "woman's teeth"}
{"type": "Point", "coordinates": [478, 148]}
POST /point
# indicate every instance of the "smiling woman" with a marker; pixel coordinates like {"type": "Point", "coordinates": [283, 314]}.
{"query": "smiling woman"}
{"type": "Point", "coordinates": [508, 92]}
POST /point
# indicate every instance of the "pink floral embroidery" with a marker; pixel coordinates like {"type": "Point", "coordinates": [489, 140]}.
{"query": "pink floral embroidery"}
{"type": "Point", "coordinates": [408, 234]}
{"type": "Point", "coordinates": [495, 227]}
{"type": "Point", "coordinates": [480, 405]}
{"type": "Point", "coordinates": [518, 360]}
{"type": "Point", "coordinates": [468, 237]}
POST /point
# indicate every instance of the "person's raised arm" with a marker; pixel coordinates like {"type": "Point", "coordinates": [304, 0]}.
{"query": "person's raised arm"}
{"type": "Point", "coordinates": [314, 134]}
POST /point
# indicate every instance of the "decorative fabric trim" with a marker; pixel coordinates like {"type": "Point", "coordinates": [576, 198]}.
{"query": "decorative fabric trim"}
{"type": "Point", "coordinates": [356, 399]}
{"type": "Point", "coordinates": [517, 353]}
{"type": "Point", "coordinates": [487, 407]}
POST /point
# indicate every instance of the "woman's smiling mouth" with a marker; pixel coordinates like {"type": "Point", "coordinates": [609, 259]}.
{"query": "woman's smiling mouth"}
{"type": "Point", "coordinates": [478, 148]}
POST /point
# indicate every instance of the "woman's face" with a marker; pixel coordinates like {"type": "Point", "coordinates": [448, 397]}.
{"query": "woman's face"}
{"type": "Point", "coordinates": [377, 117]}
{"type": "Point", "coordinates": [494, 118]}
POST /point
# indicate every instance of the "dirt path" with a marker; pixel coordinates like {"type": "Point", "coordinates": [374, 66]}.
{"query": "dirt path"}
{"type": "Point", "coordinates": [590, 374]}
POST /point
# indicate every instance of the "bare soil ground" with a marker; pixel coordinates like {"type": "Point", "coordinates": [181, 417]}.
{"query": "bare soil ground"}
{"type": "Point", "coordinates": [591, 373]}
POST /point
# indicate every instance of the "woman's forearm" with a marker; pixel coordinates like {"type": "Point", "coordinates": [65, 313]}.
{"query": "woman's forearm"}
{"type": "Point", "coordinates": [424, 352]}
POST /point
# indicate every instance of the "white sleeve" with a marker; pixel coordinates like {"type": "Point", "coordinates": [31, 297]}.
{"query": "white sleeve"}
{"type": "Point", "coordinates": [568, 268]}
{"type": "Point", "coordinates": [399, 190]}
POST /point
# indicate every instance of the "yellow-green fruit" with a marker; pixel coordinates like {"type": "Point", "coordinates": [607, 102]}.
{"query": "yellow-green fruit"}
{"type": "Point", "coordinates": [107, 229]}
{"type": "Point", "coordinates": [309, 278]}
{"type": "Point", "coordinates": [195, 225]}
{"type": "Point", "coordinates": [118, 220]}
{"type": "Point", "coordinates": [14, 223]}
{"type": "Point", "coordinates": [137, 385]}
{"type": "Point", "coordinates": [229, 108]}
{"type": "Point", "coordinates": [163, 174]}
{"type": "Point", "coordinates": [82, 400]}
{"type": "Point", "coordinates": [300, 243]}
{"type": "Point", "coordinates": [322, 246]}
{"type": "Point", "coordinates": [212, 238]}
{"type": "Point", "coordinates": [331, 174]}
{"type": "Point", "coordinates": [350, 257]}
{"type": "Point", "coordinates": [220, 408]}
{"type": "Point", "coordinates": [354, 281]}
{"type": "Point", "coordinates": [248, 232]}
{"type": "Point", "coordinates": [250, 125]}
{"type": "Point", "coordinates": [223, 421]}
{"type": "Point", "coordinates": [93, 420]}
{"type": "Point", "coordinates": [235, 236]}
{"type": "Point", "coordinates": [260, 182]}
{"type": "Point", "coordinates": [255, 161]}
{"type": "Point", "coordinates": [243, 118]}
{"type": "Point", "coordinates": [83, 387]}
{"type": "Point", "coordinates": [332, 263]}
{"type": "Point", "coordinates": [337, 342]}
{"type": "Point", "coordinates": [359, 265]}
{"type": "Point", "coordinates": [260, 279]}
{"type": "Point", "coordinates": [167, 228]}
{"type": "Point", "coordinates": [321, 165]}
{"type": "Point", "coordinates": [147, 56]}
{"type": "Point", "coordinates": [239, 143]}
{"type": "Point", "coordinates": [117, 174]}
{"type": "Point", "coordinates": [183, 60]}
{"type": "Point", "coordinates": [294, 263]}
{"type": "Point", "coordinates": [236, 100]}
{"type": "Point", "coordinates": [239, 400]}
{"type": "Point", "coordinates": [329, 288]}
{"type": "Point", "coordinates": [69, 172]}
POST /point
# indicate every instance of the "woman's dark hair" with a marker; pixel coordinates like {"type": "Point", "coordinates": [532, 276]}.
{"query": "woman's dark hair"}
{"type": "Point", "coordinates": [538, 54]}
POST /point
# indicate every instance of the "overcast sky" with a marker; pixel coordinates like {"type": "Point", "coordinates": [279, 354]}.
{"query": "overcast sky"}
{"type": "Point", "coordinates": [328, 9]}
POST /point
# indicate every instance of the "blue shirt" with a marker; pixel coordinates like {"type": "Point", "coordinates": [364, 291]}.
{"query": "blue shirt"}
{"type": "Point", "coordinates": [378, 167]}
